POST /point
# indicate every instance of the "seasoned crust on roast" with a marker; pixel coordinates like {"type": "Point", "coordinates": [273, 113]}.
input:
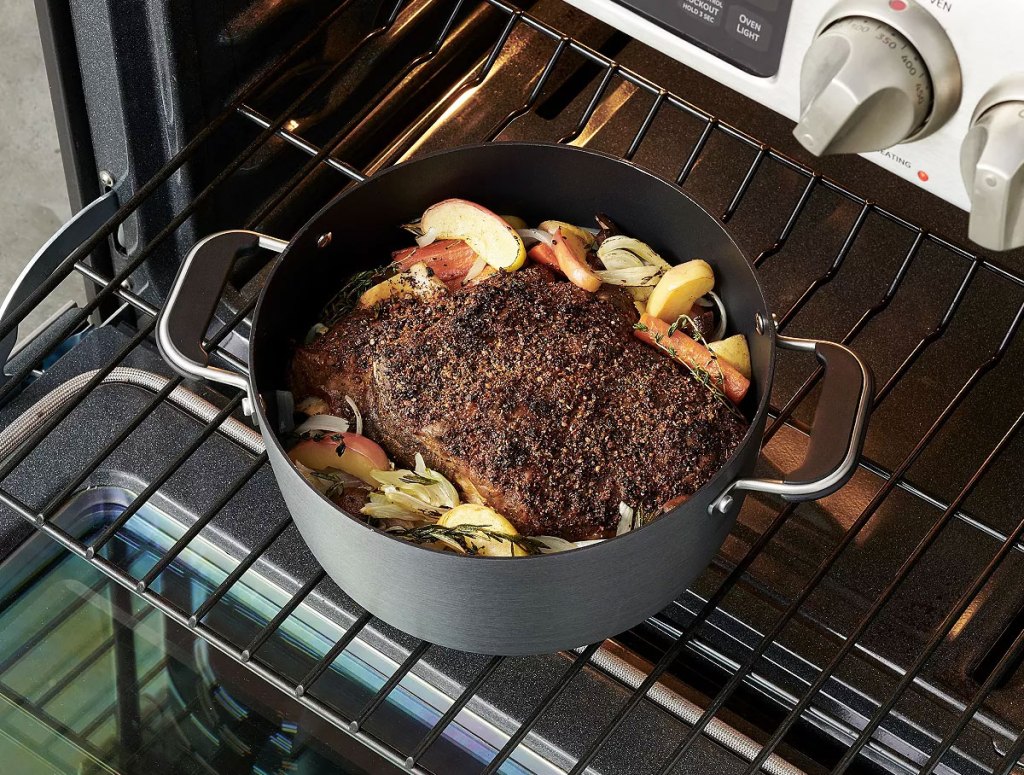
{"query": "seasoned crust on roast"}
{"type": "Point", "coordinates": [530, 394]}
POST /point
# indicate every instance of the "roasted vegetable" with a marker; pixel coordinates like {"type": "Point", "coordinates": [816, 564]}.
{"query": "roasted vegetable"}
{"type": "Point", "coordinates": [489, 235]}
{"type": "Point", "coordinates": [618, 250]}
{"type": "Point", "coordinates": [567, 257]}
{"type": "Point", "coordinates": [419, 281]}
{"type": "Point", "coordinates": [572, 260]}
{"type": "Point", "coordinates": [544, 254]}
{"type": "Point", "coordinates": [449, 259]}
{"type": "Point", "coordinates": [679, 289]}
{"type": "Point", "coordinates": [631, 276]}
{"type": "Point", "coordinates": [584, 236]}
{"type": "Point", "coordinates": [490, 540]}
{"type": "Point", "coordinates": [707, 367]}
{"type": "Point", "coordinates": [632, 264]}
{"type": "Point", "coordinates": [416, 495]}
{"type": "Point", "coordinates": [734, 351]}
{"type": "Point", "coordinates": [349, 452]}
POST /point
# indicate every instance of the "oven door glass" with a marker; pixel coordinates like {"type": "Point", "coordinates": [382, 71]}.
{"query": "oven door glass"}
{"type": "Point", "coordinates": [93, 679]}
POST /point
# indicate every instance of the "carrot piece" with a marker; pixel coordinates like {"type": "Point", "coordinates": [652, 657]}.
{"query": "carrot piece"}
{"type": "Point", "coordinates": [544, 254]}
{"type": "Point", "coordinates": [567, 258]}
{"type": "Point", "coordinates": [450, 259]}
{"type": "Point", "coordinates": [694, 355]}
{"type": "Point", "coordinates": [572, 260]}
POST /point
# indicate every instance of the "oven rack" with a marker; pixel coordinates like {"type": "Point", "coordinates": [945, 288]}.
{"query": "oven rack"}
{"type": "Point", "coordinates": [108, 287]}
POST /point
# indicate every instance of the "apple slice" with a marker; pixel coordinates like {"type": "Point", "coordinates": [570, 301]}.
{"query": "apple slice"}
{"type": "Point", "coordinates": [679, 288]}
{"type": "Point", "coordinates": [492, 525]}
{"type": "Point", "coordinates": [544, 254]}
{"type": "Point", "coordinates": [567, 256]}
{"type": "Point", "coordinates": [578, 232]}
{"type": "Point", "coordinates": [735, 351]}
{"type": "Point", "coordinates": [450, 258]}
{"type": "Point", "coordinates": [349, 452]}
{"type": "Point", "coordinates": [489, 235]}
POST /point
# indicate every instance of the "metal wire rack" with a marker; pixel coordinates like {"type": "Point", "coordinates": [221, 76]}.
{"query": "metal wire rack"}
{"type": "Point", "coordinates": [893, 476]}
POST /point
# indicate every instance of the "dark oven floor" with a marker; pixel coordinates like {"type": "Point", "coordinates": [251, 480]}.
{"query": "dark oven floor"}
{"type": "Point", "coordinates": [897, 600]}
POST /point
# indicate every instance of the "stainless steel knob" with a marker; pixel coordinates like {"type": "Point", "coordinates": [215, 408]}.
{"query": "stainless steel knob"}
{"type": "Point", "coordinates": [992, 163]}
{"type": "Point", "coordinates": [877, 74]}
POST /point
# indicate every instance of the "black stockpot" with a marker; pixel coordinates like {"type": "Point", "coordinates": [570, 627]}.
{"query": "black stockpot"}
{"type": "Point", "coordinates": [523, 605]}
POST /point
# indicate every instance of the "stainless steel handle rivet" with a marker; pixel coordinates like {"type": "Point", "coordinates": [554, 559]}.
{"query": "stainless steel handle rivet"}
{"type": "Point", "coordinates": [324, 240]}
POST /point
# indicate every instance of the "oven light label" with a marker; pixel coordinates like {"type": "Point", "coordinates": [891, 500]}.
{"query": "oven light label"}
{"type": "Point", "coordinates": [749, 28]}
{"type": "Point", "coordinates": [708, 11]}
{"type": "Point", "coordinates": [747, 33]}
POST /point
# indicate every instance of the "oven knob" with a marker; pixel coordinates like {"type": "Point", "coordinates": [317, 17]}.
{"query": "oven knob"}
{"type": "Point", "coordinates": [878, 74]}
{"type": "Point", "coordinates": [992, 162]}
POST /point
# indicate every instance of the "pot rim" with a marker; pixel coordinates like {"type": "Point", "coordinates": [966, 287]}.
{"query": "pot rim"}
{"type": "Point", "coordinates": [717, 483]}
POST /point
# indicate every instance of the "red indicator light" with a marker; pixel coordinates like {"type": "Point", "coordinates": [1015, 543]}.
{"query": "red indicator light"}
{"type": "Point", "coordinates": [921, 173]}
{"type": "Point", "coordinates": [898, 5]}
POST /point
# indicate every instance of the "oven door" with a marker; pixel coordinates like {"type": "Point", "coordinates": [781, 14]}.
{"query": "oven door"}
{"type": "Point", "coordinates": [93, 679]}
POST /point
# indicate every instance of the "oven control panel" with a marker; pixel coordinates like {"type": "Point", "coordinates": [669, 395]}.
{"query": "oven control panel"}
{"type": "Point", "coordinates": [908, 84]}
{"type": "Point", "coordinates": [747, 33]}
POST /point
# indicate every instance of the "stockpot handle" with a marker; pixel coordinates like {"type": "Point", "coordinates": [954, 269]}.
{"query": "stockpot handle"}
{"type": "Point", "coordinates": [837, 433]}
{"type": "Point", "coordinates": [193, 300]}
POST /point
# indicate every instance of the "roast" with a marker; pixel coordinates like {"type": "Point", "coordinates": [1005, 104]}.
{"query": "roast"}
{"type": "Point", "coordinates": [532, 395]}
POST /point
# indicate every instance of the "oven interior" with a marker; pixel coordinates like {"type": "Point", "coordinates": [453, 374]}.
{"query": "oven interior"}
{"type": "Point", "coordinates": [880, 629]}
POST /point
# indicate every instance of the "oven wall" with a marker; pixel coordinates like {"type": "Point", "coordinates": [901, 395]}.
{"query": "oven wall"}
{"type": "Point", "coordinates": [134, 80]}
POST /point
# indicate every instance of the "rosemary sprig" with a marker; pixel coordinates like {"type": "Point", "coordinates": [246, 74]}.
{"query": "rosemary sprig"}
{"type": "Point", "coordinates": [414, 478]}
{"type": "Point", "coordinates": [355, 286]}
{"type": "Point", "coordinates": [462, 535]}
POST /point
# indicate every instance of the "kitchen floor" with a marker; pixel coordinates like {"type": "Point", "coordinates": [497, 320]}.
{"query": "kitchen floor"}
{"type": "Point", "coordinates": [33, 194]}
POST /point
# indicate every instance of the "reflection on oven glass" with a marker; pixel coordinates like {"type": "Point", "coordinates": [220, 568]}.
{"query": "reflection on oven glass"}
{"type": "Point", "coordinates": [95, 680]}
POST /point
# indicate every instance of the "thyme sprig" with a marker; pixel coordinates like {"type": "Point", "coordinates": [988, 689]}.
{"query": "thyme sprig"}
{"type": "Point", "coordinates": [355, 286]}
{"type": "Point", "coordinates": [700, 373]}
{"type": "Point", "coordinates": [462, 536]}
{"type": "Point", "coordinates": [414, 478]}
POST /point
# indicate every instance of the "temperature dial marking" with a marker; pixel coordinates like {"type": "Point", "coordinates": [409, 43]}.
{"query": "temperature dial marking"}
{"type": "Point", "coordinates": [864, 87]}
{"type": "Point", "coordinates": [884, 38]}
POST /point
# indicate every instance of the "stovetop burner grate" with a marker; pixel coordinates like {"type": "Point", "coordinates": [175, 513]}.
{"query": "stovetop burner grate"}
{"type": "Point", "coordinates": [896, 471]}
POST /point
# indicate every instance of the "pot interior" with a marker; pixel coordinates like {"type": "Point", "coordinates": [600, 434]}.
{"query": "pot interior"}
{"type": "Point", "coordinates": [535, 182]}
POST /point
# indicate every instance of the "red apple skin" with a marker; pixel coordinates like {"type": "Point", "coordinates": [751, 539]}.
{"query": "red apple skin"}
{"type": "Point", "coordinates": [360, 455]}
{"type": "Point", "coordinates": [450, 259]}
{"type": "Point", "coordinates": [477, 225]}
